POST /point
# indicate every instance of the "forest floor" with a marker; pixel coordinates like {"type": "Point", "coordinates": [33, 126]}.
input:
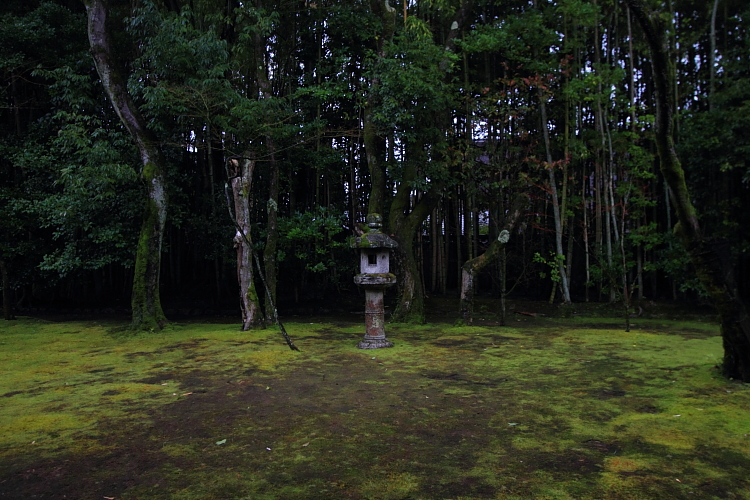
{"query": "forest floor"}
{"type": "Point", "coordinates": [547, 407]}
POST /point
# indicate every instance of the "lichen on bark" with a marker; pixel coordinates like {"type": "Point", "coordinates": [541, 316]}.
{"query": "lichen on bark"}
{"type": "Point", "coordinates": [147, 313]}
{"type": "Point", "coordinates": [241, 178]}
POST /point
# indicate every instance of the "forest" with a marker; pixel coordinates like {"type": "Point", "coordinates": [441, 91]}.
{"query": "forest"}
{"type": "Point", "coordinates": [151, 148]}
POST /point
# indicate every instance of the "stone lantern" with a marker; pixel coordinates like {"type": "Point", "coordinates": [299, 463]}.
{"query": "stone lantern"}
{"type": "Point", "coordinates": [374, 277]}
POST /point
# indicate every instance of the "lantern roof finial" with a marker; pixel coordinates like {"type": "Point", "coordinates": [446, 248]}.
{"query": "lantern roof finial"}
{"type": "Point", "coordinates": [374, 238]}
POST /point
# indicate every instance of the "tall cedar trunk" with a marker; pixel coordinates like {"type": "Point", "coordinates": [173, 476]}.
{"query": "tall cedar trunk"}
{"type": "Point", "coordinates": [711, 257]}
{"type": "Point", "coordinates": [598, 169]}
{"type": "Point", "coordinates": [472, 267]}
{"type": "Point", "coordinates": [434, 244]}
{"type": "Point", "coordinates": [457, 219]}
{"type": "Point", "coordinates": [242, 181]}
{"type": "Point", "coordinates": [611, 216]}
{"type": "Point", "coordinates": [272, 238]}
{"type": "Point", "coordinates": [603, 181]}
{"type": "Point", "coordinates": [627, 293]}
{"type": "Point", "coordinates": [147, 310]}
{"type": "Point", "coordinates": [212, 187]}
{"type": "Point", "coordinates": [503, 285]}
{"type": "Point", "coordinates": [586, 237]}
{"type": "Point", "coordinates": [631, 92]}
{"type": "Point", "coordinates": [468, 225]}
{"type": "Point", "coordinates": [272, 206]}
{"type": "Point", "coordinates": [375, 145]}
{"type": "Point", "coordinates": [564, 202]}
{"type": "Point", "coordinates": [7, 300]}
{"type": "Point", "coordinates": [712, 58]}
{"type": "Point", "coordinates": [559, 256]}
{"type": "Point", "coordinates": [375, 153]}
{"type": "Point", "coordinates": [445, 248]}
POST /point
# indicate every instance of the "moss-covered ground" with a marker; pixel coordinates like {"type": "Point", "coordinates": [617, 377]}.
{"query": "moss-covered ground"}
{"type": "Point", "coordinates": [545, 408]}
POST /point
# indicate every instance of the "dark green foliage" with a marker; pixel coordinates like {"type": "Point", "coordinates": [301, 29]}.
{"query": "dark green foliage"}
{"type": "Point", "coordinates": [67, 164]}
{"type": "Point", "coordinates": [314, 244]}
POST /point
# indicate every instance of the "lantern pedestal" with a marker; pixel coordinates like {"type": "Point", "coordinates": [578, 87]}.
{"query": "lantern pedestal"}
{"type": "Point", "coordinates": [374, 310]}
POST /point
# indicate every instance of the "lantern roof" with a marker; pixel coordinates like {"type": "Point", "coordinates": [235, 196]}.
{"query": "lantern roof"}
{"type": "Point", "coordinates": [374, 238]}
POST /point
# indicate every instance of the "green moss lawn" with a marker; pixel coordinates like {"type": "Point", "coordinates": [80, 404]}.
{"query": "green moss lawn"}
{"type": "Point", "coordinates": [546, 408]}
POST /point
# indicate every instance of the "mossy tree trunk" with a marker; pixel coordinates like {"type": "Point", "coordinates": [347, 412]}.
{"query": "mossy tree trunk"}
{"type": "Point", "coordinates": [403, 224]}
{"type": "Point", "coordinates": [7, 301]}
{"type": "Point", "coordinates": [473, 267]}
{"type": "Point", "coordinates": [711, 257]}
{"type": "Point", "coordinates": [241, 178]}
{"type": "Point", "coordinates": [147, 310]}
{"type": "Point", "coordinates": [410, 308]}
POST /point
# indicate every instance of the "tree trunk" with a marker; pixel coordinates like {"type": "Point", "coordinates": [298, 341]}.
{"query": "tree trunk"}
{"type": "Point", "coordinates": [241, 181]}
{"type": "Point", "coordinates": [7, 297]}
{"type": "Point", "coordinates": [443, 252]}
{"type": "Point", "coordinates": [598, 169]}
{"type": "Point", "coordinates": [472, 267]}
{"type": "Point", "coordinates": [145, 301]}
{"type": "Point", "coordinates": [560, 256]}
{"type": "Point", "coordinates": [710, 257]}
{"type": "Point", "coordinates": [403, 224]}
{"type": "Point", "coordinates": [627, 293]}
{"type": "Point", "coordinates": [459, 234]}
{"type": "Point", "coordinates": [410, 308]}
{"type": "Point", "coordinates": [434, 241]}
{"type": "Point", "coordinates": [639, 251]}
{"type": "Point", "coordinates": [212, 188]}
{"type": "Point", "coordinates": [375, 146]}
{"type": "Point", "coordinates": [586, 246]}
{"type": "Point", "coordinates": [272, 238]}
{"type": "Point", "coordinates": [503, 285]}
{"type": "Point", "coordinates": [272, 206]}
{"type": "Point", "coordinates": [375, 153]}
{"type": "Point", "coordinates": [712, 58]}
